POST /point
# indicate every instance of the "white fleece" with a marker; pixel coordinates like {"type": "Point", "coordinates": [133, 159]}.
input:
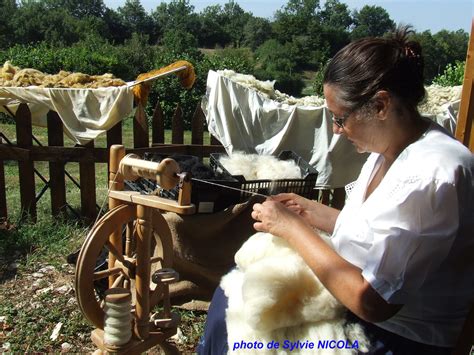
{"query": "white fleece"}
{"type": "Point", "coordinates": [274, 296]}
{"type": "Point", "coordinates": [260, 167]}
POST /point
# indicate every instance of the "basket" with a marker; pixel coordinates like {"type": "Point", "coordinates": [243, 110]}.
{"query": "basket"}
{"type": "Point", "coordinates": [207, 197]}
{"type": "Point", "coordinates": [303, 187]}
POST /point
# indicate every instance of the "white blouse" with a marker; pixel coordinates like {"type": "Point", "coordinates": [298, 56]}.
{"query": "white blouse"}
{"type": "Point", "coordinates": [413, 236]}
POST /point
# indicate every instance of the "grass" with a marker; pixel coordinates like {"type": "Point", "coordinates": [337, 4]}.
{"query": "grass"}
{"type": "Point", "coordinates": [36, 282]}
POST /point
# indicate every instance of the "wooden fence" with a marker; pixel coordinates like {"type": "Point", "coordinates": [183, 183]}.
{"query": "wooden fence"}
{"type": "Point", "coordinates": [57, 155]}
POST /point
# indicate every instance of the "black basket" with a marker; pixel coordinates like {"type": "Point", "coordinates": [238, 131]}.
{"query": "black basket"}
{"type": "Point", "coordinates": [207, 196]}
{"type": "Point", "coordinates": [303, 187]}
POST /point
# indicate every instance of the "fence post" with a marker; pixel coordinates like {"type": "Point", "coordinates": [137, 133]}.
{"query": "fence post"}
{"type": "Point", "coordinates": [3, 194]}
{"type": "Point", "coordinates": [24, 138]}
{"type": "Point", "coordinates": [87, 180]}
{"type": "Point", "coordinates": [158, 124]}
{"type": "Point", "coordinates": [140, 128]}
{"type": "Point", "coordinates": [177, 126]}
{"type": "Point", "coordinates": [57, 181]}
{"type": "Point", "coordinates": [114, 135]}
{"type": "Point", "coordinates": [197, 128]}
{"type": "Point", "coordinates": [215, 141]}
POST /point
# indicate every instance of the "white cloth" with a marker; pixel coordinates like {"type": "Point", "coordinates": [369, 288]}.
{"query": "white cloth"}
{"type": "Point", "coordinates": [243, 119]}
{"type": "Point", "coordinates": [85, 113]}
{"type": "Point", "coordinates": [412, 237]}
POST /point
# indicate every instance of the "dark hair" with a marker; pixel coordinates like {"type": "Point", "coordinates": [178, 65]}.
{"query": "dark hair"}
{"type": "Point", "coordinates": [368, 65]}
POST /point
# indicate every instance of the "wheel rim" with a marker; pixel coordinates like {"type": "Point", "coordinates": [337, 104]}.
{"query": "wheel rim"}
{"type": "Point", "coordinates": [96, 239]}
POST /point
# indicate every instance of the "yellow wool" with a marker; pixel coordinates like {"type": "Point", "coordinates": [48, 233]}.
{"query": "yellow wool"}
{"type": "Point", "coordinates": [186, 76]}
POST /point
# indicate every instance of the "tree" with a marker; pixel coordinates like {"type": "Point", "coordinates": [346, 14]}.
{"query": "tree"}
{"type": "Point", "coordinates": [335, 23]}
{"type": "Point", "coordinates": [47, 20]}
{"type": "Point", "coordinates": [179, 41]}
{"type": "Point", "coordinates": [116, 31]}
{"type": "Point", "coordinates": [211, 29]}
{"type": "Point", "coordinates": [135, 19]}
{"type": "Point", "coordinates": [8, 9]}
{"type": "Point", "coordinates": [234, 19]}
{"type": "Point", "coordinates": [295, 18]}
{"type": "Point", "coordinates": [256, 31]}
{"type": "Point", "coordinates": [371, 21]}
{"type": "Point", "coordinates": [441, 49]}
{"type": "Point", "coordinates": [178, 15]}
{"type": "Point", "coordinates": [85, 8]}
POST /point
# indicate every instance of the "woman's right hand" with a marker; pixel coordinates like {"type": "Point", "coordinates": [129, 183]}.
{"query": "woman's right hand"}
{"type": "Point", "coordinates": [314, 213]}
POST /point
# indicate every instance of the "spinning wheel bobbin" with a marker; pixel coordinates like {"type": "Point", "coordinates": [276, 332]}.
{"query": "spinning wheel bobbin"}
{"type": "Point", "coordinates": [130, 261]}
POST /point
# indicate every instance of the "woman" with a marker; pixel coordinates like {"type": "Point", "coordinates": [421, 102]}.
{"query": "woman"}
{"type": "Point", "coordinates": [401, 260]}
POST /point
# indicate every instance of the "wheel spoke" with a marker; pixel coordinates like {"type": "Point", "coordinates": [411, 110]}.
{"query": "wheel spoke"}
{"type": "Point", "coordinates": [111, 248]}
{"type": "Point", "coordinates": [106, 273]}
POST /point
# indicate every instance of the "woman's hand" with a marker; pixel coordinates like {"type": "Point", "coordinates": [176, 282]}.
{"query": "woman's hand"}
{"type": "Point", "coordinates": [277, 218]}
{"type": "Point", "coordinates": [314, 213]}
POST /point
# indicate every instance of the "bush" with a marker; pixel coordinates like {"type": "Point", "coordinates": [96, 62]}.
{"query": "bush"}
{"type": "Point", "coordinates": [169, 91]}
{"type": "Point", "coordinates": [318, 80]}
{"type": "Point", "coordinates": [453, 75]}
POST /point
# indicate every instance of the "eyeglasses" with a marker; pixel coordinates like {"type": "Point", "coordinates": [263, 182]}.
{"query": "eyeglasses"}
{"type": "Point", "coordinates": [339, 121]}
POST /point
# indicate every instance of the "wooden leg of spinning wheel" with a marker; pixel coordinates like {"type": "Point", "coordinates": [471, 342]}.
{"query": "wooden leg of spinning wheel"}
{"type": "Point", "coordinates": [142, 277]}
{"type": "Point", "coordinates": [117, 152]}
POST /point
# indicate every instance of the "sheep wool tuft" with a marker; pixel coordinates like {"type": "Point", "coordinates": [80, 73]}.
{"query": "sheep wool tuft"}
{"type": "Point", "coordinates": [260, 167]}
{"type": "Point", "coordinates": [266, 89]}
{"type": "Point", "coordinates": [275, 297]}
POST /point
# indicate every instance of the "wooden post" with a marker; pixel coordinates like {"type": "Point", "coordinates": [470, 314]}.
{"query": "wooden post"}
{"type": "Point", "coordinates": [177, 126]}
{"type": "Point", "coordinates": [140, 128]}
{"type": "Point", "coordinates": [117, 152]}
{"type": "Point", "coordinates": [3, 194]}
{"type": "Point", "coordinates": [464, 126]}
{"type": "Point", "coordinates": [142, 277]}
{"type": "Point", "coordinates": [197, 128]}
{"type": "Point", "coordinates": [114, 135]}
{"type": "Point", "coordinates": [87, 180]}
{"type": "Point", "coordinates": [158, 125]}
{"type": "Point", "coordinates": [57, 181]}
{"type": "Point", "coordinates": [24, 138]}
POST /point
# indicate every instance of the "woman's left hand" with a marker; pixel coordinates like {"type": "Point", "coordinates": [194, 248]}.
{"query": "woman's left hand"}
{"type": "Point", "coordinates": [274, 217]}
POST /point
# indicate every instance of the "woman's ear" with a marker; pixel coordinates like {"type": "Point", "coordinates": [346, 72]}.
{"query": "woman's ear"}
{"type": "Point", "coordinates": [382, 102]}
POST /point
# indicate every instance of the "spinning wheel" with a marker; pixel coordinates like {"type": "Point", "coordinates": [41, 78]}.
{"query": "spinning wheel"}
{"type": "Point", "coordinates": [125, 265]}
{"type": "Point", "coordinates": [137, 280]}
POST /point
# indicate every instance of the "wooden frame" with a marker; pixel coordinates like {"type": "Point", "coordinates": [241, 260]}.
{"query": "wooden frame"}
{"type": "Point", "coordinates": [464, 126]}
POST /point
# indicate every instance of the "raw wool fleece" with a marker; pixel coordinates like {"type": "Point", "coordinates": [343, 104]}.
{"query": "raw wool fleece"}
{"type": "Point", "coordinates": [260, 167]}
{"type": "Point", "coordinates": [274, 296]}
{"type": "Point", "coordinates": [266, 88]}
{"type": "Point", "coordinates": [437, 97]}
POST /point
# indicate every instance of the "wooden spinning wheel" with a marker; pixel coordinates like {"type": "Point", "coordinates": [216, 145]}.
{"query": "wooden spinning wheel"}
{"type": "Point", "coordinates": [125, 266]}
{"type": "Point", "coordinates": [137, 280]}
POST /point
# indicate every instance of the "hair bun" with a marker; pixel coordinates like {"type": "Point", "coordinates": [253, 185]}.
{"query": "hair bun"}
{"type": "Point", "coordinates": [412, 50]}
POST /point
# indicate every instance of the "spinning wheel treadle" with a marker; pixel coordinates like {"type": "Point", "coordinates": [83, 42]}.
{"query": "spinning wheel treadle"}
{"type": "Point", "coordinates": [124, 267]}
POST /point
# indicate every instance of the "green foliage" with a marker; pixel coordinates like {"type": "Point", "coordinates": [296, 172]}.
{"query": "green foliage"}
{"type": "Point", "coordinates": [169, 92]}
{"type": "Point", "coordinates": [453, 75]}
{"type": "Point", "coordinates": [48, 234]}
{"type": "Point", "coordinates": [318, 80]}
{"type": "Point", "coordinates": [441, 49]}
{"type": "Point", "coordinates": [373, 21]}
{"type": "Point", "coordinates": [256, 31]}
{"type": "Point", "coordinates": [86, 36]}
{"type": "Point", "coordinates": [178, 41]}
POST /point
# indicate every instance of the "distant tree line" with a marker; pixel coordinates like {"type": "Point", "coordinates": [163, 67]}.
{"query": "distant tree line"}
{"type": "Point", "coordinates": [87, 36]}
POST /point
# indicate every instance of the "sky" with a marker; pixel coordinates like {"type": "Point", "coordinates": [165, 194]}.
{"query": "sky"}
{"type": "Point", "coordinates": [433, 15]}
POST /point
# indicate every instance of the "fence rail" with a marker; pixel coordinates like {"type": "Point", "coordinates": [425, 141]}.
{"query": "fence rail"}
{"type": "Point", "coordinates": [26, 153]}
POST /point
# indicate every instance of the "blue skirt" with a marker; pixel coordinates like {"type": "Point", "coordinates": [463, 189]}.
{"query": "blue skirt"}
{"type": "Point", "coordinates": [214, 339]}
